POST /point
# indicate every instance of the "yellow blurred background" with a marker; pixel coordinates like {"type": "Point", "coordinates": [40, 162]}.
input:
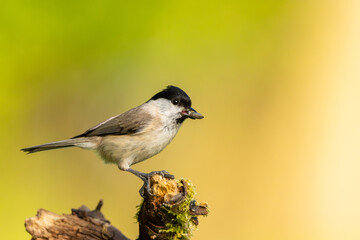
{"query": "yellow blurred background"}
{"type": "Point", "coordinates": [277, 155]}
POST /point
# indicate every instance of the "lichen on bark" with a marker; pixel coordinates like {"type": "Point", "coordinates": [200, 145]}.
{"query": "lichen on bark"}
{"type": "Point", "coordinates": [170, 211]}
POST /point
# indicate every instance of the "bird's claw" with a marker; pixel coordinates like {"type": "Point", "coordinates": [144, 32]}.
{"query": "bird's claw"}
{"type": "Point", "coordinates": [146, 178]}
{"type": "Point", "coordinates": [163, 173]}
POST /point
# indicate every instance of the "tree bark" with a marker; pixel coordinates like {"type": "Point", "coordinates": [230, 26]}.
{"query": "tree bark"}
{"type": "Point", "coordinates": [169, 211]}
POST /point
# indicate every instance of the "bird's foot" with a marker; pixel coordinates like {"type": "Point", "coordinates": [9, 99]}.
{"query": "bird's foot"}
{"type": "Point", "coordinates": [146, 178]}
{"type": "Point", "coordinates": [163, 173]}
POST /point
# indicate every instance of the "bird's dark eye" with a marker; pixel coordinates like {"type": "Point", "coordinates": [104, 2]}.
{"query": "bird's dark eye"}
{"type": "Point", "coordinates": [175, 102]}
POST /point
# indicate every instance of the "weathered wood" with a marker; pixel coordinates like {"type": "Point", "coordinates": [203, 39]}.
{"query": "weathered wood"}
{"type": "Point", "coordinates": [168, 212]}
{"type": "Point", "coordinates": [81, 224]}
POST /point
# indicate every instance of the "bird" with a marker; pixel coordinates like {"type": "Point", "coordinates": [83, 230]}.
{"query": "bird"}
{"type": "Point", "coordinates": [135, 135]}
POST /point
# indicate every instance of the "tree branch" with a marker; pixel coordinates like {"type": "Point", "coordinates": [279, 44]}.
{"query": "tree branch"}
{"type": "Point", "coordinates": [169, 212]}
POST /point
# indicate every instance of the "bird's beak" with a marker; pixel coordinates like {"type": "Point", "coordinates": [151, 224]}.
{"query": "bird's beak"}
{"type": "Point", "coordinates": [192, 113]}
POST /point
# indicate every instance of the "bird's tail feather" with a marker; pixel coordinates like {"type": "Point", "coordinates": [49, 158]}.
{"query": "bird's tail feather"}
{"type": "Point", "coordinates": [79, 142]}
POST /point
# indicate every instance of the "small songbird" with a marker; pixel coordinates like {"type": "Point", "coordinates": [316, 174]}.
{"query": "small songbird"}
{"type": "Point", "coordinates": [135, 135]}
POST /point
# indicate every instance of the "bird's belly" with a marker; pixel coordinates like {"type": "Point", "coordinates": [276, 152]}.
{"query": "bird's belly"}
{"type": "Point", "coordinates": [127, 150]}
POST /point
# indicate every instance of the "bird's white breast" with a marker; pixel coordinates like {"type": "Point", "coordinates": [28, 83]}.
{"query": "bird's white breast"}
{"type": "Point", "coordinates": [126, 150]}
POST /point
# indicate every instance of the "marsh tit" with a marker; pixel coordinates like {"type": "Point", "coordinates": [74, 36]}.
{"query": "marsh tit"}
{"type": "Point", "coordinates": [135, 135]}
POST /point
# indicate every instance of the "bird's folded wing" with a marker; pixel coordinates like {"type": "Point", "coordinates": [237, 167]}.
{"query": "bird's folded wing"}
{"type": "Point", "coordinates": [128, 123]}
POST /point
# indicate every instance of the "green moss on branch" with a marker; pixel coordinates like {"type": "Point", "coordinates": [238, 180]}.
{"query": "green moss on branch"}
{"type": "Point", "coordinates": [171, 211]}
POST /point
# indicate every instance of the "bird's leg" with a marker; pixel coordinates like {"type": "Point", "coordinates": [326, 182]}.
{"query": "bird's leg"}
{"type": "Point", "coordinates": [146, 178]}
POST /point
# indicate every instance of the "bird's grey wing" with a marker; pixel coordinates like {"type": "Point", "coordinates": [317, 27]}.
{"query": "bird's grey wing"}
{"type": "Point", "coordinates": [130, 122]}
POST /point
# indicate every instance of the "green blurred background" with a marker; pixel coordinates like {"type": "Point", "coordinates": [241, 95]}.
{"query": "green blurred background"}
{"type": "Point", "coordinates": [277, 155]}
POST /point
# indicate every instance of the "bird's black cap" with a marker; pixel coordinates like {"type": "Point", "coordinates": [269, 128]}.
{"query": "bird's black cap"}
{"type": "Point", "coordinates": [173, 93]}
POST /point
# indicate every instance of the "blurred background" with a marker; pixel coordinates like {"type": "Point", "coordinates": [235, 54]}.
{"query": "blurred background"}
{"type": "Point", "coordinates": [277, 155]}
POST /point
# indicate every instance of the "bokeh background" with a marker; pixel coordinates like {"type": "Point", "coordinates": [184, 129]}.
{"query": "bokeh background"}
{"type": "Point", "coordinates": [277, 156]}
